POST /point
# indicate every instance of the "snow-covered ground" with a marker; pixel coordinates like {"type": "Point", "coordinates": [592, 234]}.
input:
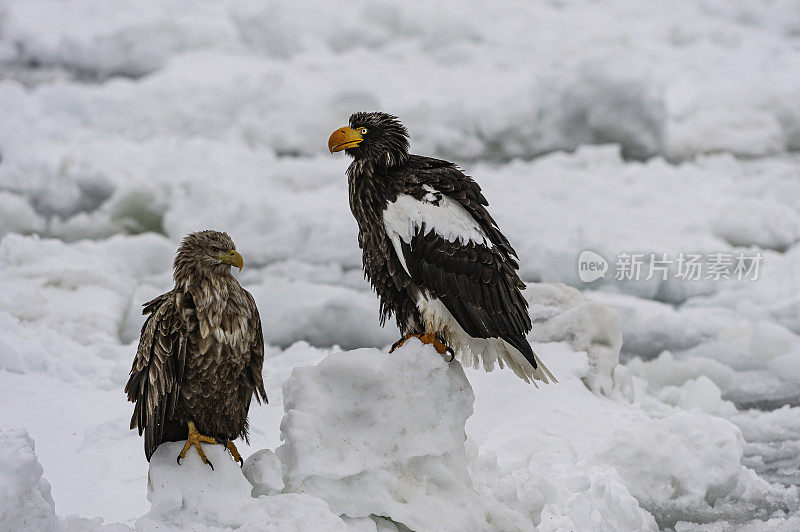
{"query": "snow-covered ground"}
{"type": "Point", "coordinates": [621, 127]}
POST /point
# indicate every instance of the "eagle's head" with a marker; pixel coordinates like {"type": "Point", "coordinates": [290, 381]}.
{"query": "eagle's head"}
{"type": "Point", "coordinates": [378, 137]}
{"type": "Point", "coordinates": [206, 253]}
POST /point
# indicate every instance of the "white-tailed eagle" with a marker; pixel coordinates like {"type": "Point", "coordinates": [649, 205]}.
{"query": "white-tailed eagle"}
{"type": "Point", "coordinates": [200, 353]}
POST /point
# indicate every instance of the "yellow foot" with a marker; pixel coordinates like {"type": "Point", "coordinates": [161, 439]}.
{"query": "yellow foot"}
{"type": "Point", "coordinates": [427, 338]}
{"type": "Point", "coordinates": [402, 340]}
{"type": "Point", "coordinates": [234, 452]}
{"type": "Point", "coordinates": [430, 338]}
{"type": "Point", "coordinates": [194, 439]}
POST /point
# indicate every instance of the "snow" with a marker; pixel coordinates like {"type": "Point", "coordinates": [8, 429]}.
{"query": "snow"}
{"type": "Point", "coordinates": [562, 314]}
{"type": "Point", "coordinates": [661, 86]}
{"type": "Point", "coordinates": [263, 470]}
{"type": "Point", "coordinates": [615, 128]}
{"type": "Point", "coordinates": [651, 452]}
{"type": "Point", "coordinates": [397, 460]}
{"type": "Point", "coordinates": [317, 312]}
{"type": "Point", "coordinates": [25, 499]}
{"type": "Point", "coordinates": [193, 496]}
{"type": "Point", "coordinates": [683, 465]}
{"type": "Point", "coordinates": [758, 223]}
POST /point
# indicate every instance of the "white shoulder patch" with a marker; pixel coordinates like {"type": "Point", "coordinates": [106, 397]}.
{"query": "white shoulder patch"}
{"type": "Point", "coordinates": [435, 212]}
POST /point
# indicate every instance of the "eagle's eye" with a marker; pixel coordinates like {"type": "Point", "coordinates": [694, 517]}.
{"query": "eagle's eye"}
{"type": "Point", "coordinates": [363, 131]}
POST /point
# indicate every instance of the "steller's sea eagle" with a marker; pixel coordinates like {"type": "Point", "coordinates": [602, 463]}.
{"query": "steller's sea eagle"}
{"type": "Point", "coordinates": [200, 353]}
{"type": "Point", "coordinates": [432, 251]}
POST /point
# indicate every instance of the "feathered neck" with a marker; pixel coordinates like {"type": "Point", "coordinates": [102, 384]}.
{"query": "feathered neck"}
{"type": "Point", "coordinates": [207, 288]}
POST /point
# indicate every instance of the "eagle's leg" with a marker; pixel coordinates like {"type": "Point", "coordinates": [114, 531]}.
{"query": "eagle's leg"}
{"type": "Point", "coordinates": [234, 452]}
{"type": "Point", "coordinates": [194, 439]}
{"type": "Point", "coordinates": [402, 340]}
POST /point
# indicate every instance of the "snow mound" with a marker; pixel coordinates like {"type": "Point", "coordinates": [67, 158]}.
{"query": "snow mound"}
{"type": "Point", "coordinates": [584, 459]}
{"type": "Point", "coordinates": [25, 500]}
{"type": "Point", "coordinates": [754, 365]}
{"type": "Point", "coordinates": [263, 470]}
{"type": "Point", "coordinates": [382, 435]}
{"type": "Point", "coordinates": [562, 314]}
{"type": "Point", "coordinates": [192, 496]}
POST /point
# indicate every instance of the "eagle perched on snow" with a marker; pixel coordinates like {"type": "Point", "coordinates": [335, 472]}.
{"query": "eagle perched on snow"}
{"type": "Point", "coordinates": [200, 353]}
{"type": "Point", "coordinates": [432, 251]}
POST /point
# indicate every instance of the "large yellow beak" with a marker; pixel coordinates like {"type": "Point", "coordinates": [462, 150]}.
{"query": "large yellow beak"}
{"type": "Point", "coordinates": [343, 138]}
{"type": "Point", "coordinates": [233, 258]}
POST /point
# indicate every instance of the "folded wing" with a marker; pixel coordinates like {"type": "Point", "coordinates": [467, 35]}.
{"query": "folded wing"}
{"type": "Point", "coordinates": [157, 370]}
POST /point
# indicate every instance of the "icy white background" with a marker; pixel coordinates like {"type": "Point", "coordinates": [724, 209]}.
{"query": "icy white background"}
{"type": "Point", "coordinates": [621, 126]}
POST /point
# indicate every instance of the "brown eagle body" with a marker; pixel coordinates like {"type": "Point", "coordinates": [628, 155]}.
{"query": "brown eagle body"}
{"type": "Point", "coordinates": [201, 350]}
{"type": "Point", "coordinates": [432, 251]}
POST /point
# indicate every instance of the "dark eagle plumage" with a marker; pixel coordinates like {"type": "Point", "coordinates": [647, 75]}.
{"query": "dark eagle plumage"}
{"type": "Point", "coordinates": [432, 251]}
{"type": "Point", "coordinates": [201, 350]}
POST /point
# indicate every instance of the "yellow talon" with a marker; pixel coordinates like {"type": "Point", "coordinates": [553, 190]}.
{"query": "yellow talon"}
{"type": "Point", "coordinates": [430, 338]}
{"type": "Point", "coordinates": [402, 340]}
{"type": "Point", "coordinates": [194, 439]}
{"type": "Point", "coordinates": [427, 338]}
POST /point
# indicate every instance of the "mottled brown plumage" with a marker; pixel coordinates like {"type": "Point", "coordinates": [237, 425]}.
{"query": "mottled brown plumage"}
{"type": "Point", "coordinates": [432, 251]}
{"type": "Point", "coordinates": [201, 350]}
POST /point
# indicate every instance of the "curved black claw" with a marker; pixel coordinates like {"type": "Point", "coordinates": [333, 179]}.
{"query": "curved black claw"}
{"type": "Point", "coordinates": [397, 344]}
{"type": "Point", "coordinates": [233, 451]}
{"type": "Point", "coordinates": [206, 461]}
{"type": "Point", "coordinates": [451, 353]}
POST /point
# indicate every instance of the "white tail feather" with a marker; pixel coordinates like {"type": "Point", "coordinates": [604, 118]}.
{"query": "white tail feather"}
{"type": "Point", "coordinates": [477, 352]}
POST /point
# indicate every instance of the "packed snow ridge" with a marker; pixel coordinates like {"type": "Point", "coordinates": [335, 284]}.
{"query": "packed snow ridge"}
{"type": "Point", "coordinates": [25, 500]}
{"type": "Point", "coordinates": [377, 441]}
{"type": "Point", "coordinates": [370, 441]}
{"type": "Point", "coordinates": [373, 441]}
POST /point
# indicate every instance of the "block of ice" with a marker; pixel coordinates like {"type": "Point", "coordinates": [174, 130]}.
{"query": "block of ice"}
{"type": "Point", "coordinates": [373, 434]}
{"type": "Point", "coordinates": [25, 500]}
{"type": "Point", "coordinates": [193, 496]}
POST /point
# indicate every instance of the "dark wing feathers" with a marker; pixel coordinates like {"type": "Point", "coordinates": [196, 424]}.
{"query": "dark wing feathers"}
{"type": "Point", "coordinates": [254, 375]}
{"type": "Point", "coordinates": [478, 284]}
{"type": "Point", "coordinates": [391, 285]}
{"type": "Point", "coordinates": [157, 369]}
